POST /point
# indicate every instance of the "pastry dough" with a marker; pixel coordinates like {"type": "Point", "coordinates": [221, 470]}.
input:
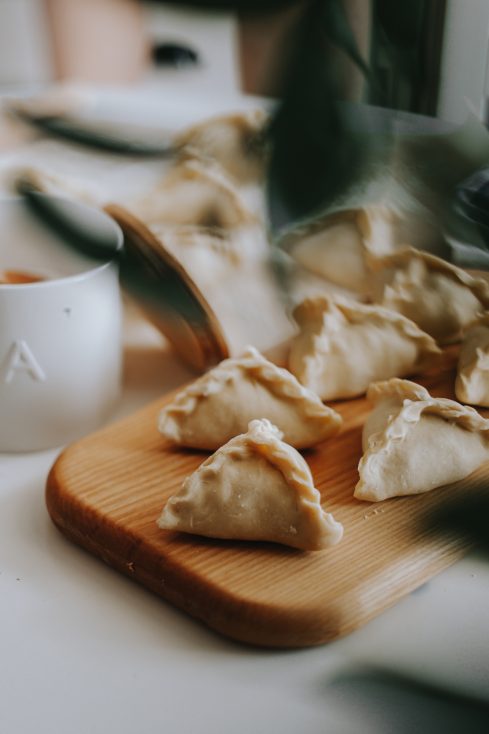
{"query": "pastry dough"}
{"type": "Point", "coordinates": [235, 141]}
{"type": "Point", "coordinates": [472, 382]}
{"type": "Point", "coordinates": [256, 487]}
{"type": "Point", "coordinates": [221, 403]}
{"type": "Point", "coordinates": [335, 246]}
{"type": "Point", "coordinates": [206, 255]}
{"type": "Point", "coordinates": [344, 346]}
{"type": "Point", "coordinates": [414, 443]}
{"type": "Point", "coordinates": [212, 251]}
{"type": "Point", "coordinates": [195, 194]}
{"type": "Point", "coordinates": [235, 278]}
{"type": "Point", "coordinates": [441, 298]}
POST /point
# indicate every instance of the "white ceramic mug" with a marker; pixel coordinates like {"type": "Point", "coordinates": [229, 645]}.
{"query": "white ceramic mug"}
{"type": "Point", "coordinates": [60, 336]}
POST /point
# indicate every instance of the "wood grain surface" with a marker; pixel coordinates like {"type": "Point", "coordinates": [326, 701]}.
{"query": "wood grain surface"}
{"type": "Point", "coordinates": [181, 312]}
{"type": "Point", "coordinates": [106, 491]}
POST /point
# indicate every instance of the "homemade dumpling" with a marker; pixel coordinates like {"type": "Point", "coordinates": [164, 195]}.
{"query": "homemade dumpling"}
{"type": "Point", "coordinates": [195, 194]}
{"type": "Point", "coordinates": [472, 382]}
{"type": "Point", "coordinates": [233, 273]}
{"type": "Point", "coordinates": [221, 403]}
{"type": "Point", "coordinates": [414, 443]}
{"type": "Point", "coordinates": [344, 346]}
{"type": "Point", "coordinates": [334, 246]}
{"type": "Point", "coordinates": [438, 296]}
{"type": "Point", "coordinates": [208, 250]}
{"type": "Point", "coordinates": [256, 487]}
{"type": "Point", "coordinates": [236, 142]}
{"type": "Point", "coordinates": [206, 255]}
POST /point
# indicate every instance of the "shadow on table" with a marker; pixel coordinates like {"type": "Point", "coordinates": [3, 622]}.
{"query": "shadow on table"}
{"type": "Point", "coordinates": [394, 703]}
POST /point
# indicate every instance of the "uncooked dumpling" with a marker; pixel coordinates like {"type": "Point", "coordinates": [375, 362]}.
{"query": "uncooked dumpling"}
{"type": "Point", "coordinates": [472, 382]}
{"type": "Point", "coordinates": [335, 246]}
{"type": "Point", "coordinates": [256, 487]}
{"type": "Point", "coordinates": [441, 298]}
{"type": "Point", "coordinates": [207, 256]}
{"type": "Point", "coordinates": [414, 443]}
{"type": "Point", "coordinates": [343, 346]}
{"type": "Point", "coordinates": [221, 403]}
{"type": "Point", "coordinates": [235, 141]}
{"type": "Point", "coordinates": [210, 252]}
{"type": "Point", "coordinates": [233, 273]}
{"type": "Point", "coordinates": [195, 194]}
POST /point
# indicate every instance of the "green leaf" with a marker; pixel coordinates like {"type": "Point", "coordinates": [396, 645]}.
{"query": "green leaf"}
{"type": "Point", "coordinates": [316, 149]}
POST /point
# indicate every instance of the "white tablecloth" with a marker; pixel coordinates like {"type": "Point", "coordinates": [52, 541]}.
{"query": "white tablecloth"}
{"type": "Point", "coordinates": [83, 649]}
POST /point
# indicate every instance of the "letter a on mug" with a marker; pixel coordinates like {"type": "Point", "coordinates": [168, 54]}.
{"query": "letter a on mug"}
{"type": "Point", "coordinates": [21, 359]}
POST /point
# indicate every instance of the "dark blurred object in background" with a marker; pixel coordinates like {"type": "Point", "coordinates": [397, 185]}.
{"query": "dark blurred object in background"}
{"type": "Point", "coordinates": [173, 54]}
{"type": "Point", "coordinates": [406, 54]}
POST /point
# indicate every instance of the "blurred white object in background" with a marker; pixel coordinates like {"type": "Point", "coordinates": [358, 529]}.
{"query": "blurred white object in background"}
{"type": "Point", "coordinates": [212, 34]}
{"type": "Point", "coordinates": [25, 53]}
{"type": "Point", "coordinates": [111, 42]}
{"type": "Point", "coordinates": [465, 54]}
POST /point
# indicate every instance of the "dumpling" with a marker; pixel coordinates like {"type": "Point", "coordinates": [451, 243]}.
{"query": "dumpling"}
{"type": "Point", "coordinates": [414, 443]}
{"type": "Point", "coordinates": [206, 256]}
{"type": "Point", "coordinates": [335, 246]}
{"type": "Point", "coordinates": [344, 346]}
{"type": "Point", "coordinates": [220, 404]}
{"type": "Point", "coordinates": [441, 298]}
{"type": "Point", "coordinates": [195, 194]}
{"type": "Point", "coordinates": [235, 278]}
{"type": "Point", "coordinates": [207, 250]}
{"type": "Point", "coordinates": [256, 487]}
{"type": "Point", "coordinates": [236, 142]}
{"type": "Point", "coordinates": [472, 382]}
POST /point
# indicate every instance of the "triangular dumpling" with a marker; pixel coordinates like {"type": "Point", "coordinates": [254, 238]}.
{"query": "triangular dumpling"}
{"type": "Point", "coordinates": [221, 403]}
{"type": "Point", "coordinates": [207, 256]}
{"type": "Point", "coordinates": [195, 194]}
{"type": "Point", "coordinates": [334, 246]}
{"type": "Point", "coordinates": [256, 487]}
{"type": "Point", "coordinates": [343, 346]}
{"type": "Point", "coordinates": [414, 443]}
{"type": "Point", "coordinates": [235, 141]}
{"type": "Point", "coordinates": [438, 296]}
{"type": "Point", "coordinates": [472, 383]}
{"type": "Point", "coordinates": [214, 257]}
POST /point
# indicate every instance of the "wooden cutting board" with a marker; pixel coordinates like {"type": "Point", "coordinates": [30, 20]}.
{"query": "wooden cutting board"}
{"type": "Point", "coordinates": [106, 491]}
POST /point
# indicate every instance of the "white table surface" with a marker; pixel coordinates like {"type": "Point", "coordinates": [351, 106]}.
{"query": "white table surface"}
{"type": "Point", "coordinates": [83, 649]}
